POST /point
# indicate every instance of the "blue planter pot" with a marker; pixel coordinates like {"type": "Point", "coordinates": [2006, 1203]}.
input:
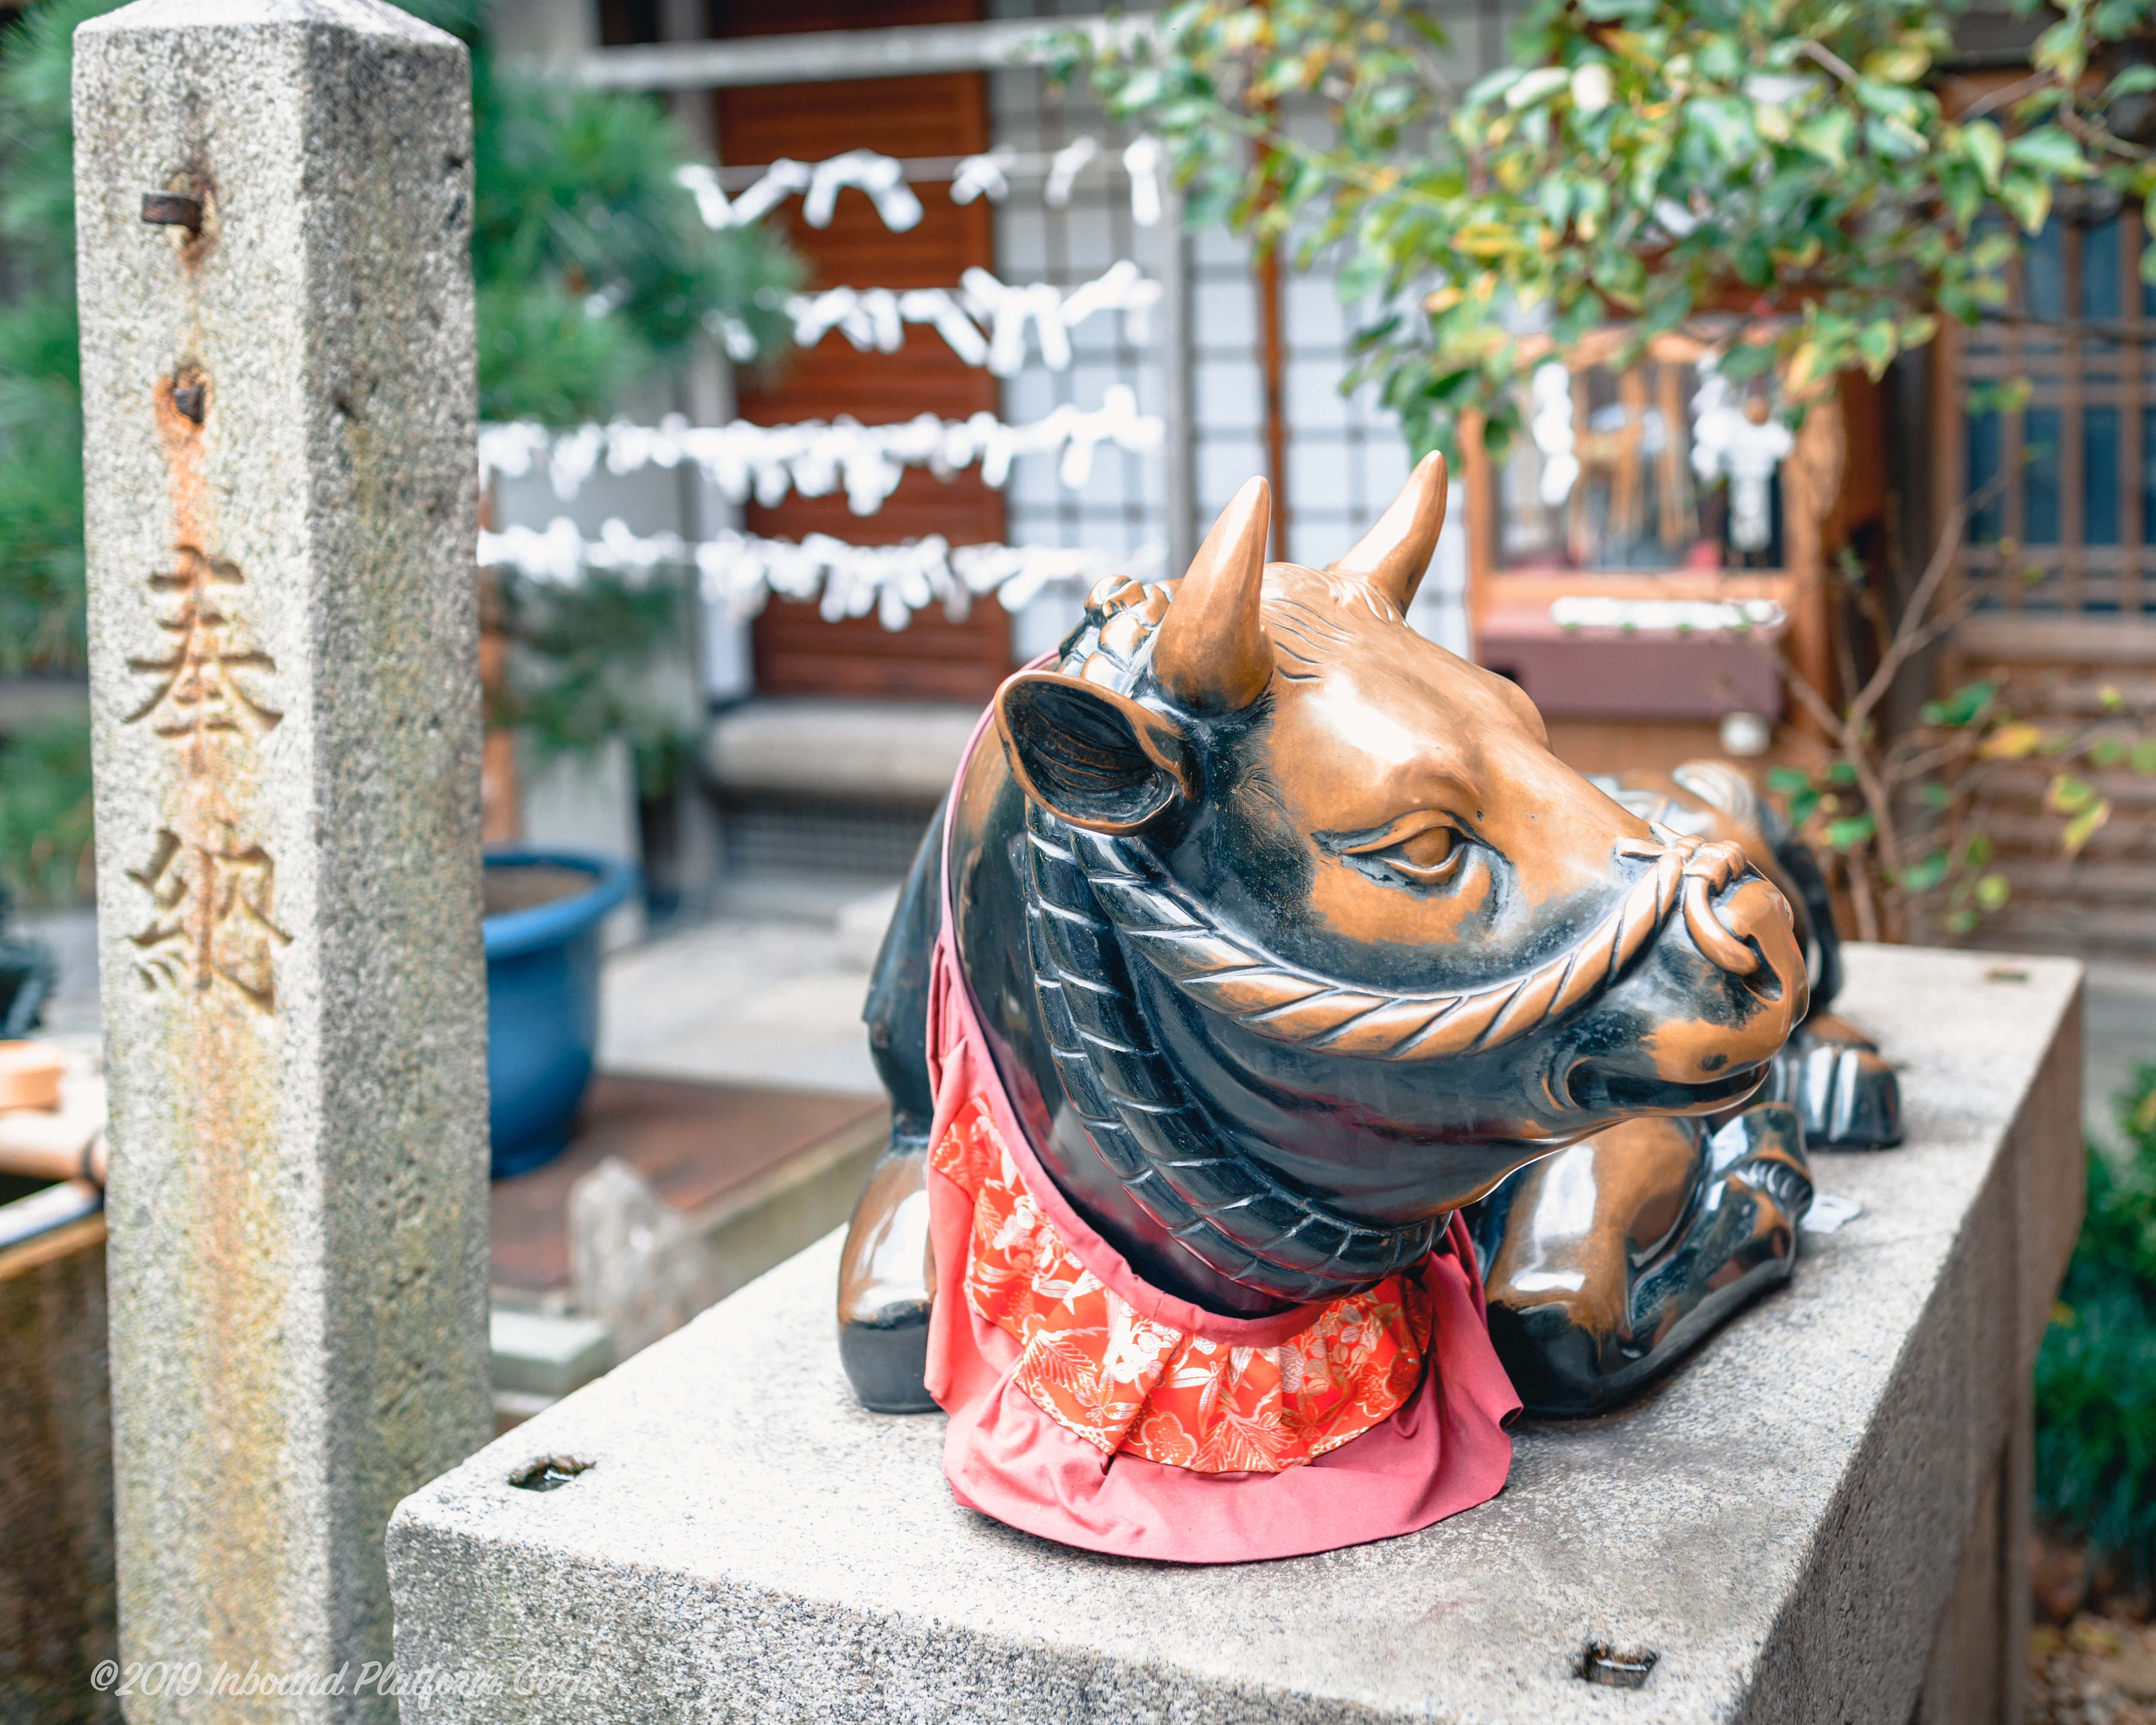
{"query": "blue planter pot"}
{"type": "Point", "coordinates": [542, 1007]}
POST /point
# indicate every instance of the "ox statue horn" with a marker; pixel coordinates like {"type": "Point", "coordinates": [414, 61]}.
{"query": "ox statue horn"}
{"type": "Point", "coordinates": [1392, 556]}
{"type": "Point", "coordinates": [1210, 653]}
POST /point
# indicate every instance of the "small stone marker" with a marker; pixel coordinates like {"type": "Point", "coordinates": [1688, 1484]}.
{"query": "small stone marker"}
{"type": "Point", "coordinates": [274, 218]}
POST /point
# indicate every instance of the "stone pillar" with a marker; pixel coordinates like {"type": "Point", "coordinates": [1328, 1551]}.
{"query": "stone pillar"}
{"type": "Point", "coordinates": [273, 218]}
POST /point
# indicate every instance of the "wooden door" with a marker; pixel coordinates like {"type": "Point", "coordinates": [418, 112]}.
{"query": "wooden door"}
{"type": "Point", "coordinates": [796, 652]}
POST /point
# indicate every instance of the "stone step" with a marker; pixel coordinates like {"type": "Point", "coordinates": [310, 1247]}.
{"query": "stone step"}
{"type": "Point", "coordinates": [731, 1179]}
{"type": "Point", "coordinates": [887, 752]}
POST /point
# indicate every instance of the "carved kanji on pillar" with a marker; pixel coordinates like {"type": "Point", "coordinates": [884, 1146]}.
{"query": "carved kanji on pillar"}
{"type": "Point", "coordinates": [211, 895]}
{"type": "Point", "coordinates": [198, 689]}
{"type": "Point", "coordinates": [212, 918]}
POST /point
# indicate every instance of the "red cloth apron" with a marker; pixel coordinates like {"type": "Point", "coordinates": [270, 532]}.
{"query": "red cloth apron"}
{"type": "Point", "coordinates": [1443, 1450]}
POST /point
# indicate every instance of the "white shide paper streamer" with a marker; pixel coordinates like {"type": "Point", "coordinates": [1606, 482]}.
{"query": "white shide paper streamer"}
{"type": "Point", "coordinates": [985, 322]}
{"type": "Point", "coordinates": [883, 178]}
{"type": "Point", "coordinates": [737, 572]}
{"type": "Point", "coordinates": [1724, 440]}
{"type": "Point", "coordinates": [815, 458]}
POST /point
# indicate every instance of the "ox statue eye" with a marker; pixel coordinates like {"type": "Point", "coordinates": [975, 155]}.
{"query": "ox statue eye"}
{"type": "Point", "coordinates": [1424, 849]}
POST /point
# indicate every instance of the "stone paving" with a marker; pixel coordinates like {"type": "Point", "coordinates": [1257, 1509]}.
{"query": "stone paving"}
{"type": "Point", "coordinates": [745, 998]}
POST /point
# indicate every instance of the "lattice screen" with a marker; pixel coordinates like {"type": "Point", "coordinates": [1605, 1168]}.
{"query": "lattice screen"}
{"type": "Point", "coordinates": [1345, 455]}
{"type": "Point", "coordinates": [2064, 485]}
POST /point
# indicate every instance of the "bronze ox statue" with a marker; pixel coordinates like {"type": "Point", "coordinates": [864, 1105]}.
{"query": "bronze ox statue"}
{"type": "Point", "coordinates": [1292, 937]}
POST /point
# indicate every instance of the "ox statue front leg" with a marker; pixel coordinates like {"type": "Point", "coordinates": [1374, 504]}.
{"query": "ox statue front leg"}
{"type": "Point", "coordinates": [1608, 1260]}
{"type": "Point", "coordinates": [887, 1276]}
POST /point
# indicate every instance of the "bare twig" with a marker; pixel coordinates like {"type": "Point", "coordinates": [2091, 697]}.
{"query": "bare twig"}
{"type": "Point", "coordinates": [1808, 696]}
{"type": "Point", "coordinates": [1878, 775]}
{"type": "Point", "coordinates": [1860, 896]}
{"type": "Point", "coordinates": [1833, 62]}
{"type": "Point", "coordinates": [1924, 765]}
{"type": "Point", "coordinates": [2004, 96]}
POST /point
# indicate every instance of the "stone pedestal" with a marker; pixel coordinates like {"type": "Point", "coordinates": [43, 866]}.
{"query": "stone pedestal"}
{"type": "Point", "coordinates": [1822, 1516]}
{"type": "Point", "coordinates": [273, 221]}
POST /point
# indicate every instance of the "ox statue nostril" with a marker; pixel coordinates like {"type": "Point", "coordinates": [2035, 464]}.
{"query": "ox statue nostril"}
{"type": "Point", "coordinates": [1756, 917]}
{"type": "Point", "coordinates": [1728, 950]}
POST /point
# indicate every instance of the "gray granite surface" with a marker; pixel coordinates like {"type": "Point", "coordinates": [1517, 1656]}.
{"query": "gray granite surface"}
{"type": "Point", "coordinates": [1781, 1524]}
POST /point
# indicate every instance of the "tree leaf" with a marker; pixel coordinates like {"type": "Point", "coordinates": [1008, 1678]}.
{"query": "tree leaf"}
{"type": "Point", "coordinates": [1923, 876]}
{"type": "Point", "coordinates": [2051, 149]}
{"type": "Point", "coordinates": [1486, 240]}
{"type": "Point", "coordinates": [2028, 200]}
{"type": "Point", "coordinates": [1904, 63]}
{"type": "Point", "coordinates": [2068, 795]}
{"type": "Point", "coordinates": [2083, 827]}
{"type": "Point", "coordinates": [1829, 136]}
{"type": "Point", "coordinates": [2011, 743]}
{"type": "Point", "coordinates": [1985, 145]}
{"type": "Point", "coordinates": [1537, 85]}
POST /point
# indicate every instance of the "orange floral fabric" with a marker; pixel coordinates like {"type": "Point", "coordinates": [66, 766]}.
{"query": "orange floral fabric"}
{"type": "Point", "coordinates": [1126, 1382]}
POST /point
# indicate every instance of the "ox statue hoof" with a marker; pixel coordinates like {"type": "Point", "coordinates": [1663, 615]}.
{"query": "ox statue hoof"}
{"type": "Point", "coordinates": [886, 1285]}
{"type": "Point", "coordinates": [1840, 1085]}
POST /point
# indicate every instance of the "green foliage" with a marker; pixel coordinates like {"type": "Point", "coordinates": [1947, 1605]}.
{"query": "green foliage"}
{"type": "Point", "coordinates": [44, 815]}
{"type": "Point", "coordinates": [1952, 773]}
{"type": "Point", "coordinates": [2096, 1373]}
{"type": "Point", "coordinates": [1964, 707]}
{"type": "Point", "coordinates": [608, 659]}
{"type": "Point", "coordinates": [41, 569]}
{"type": "Point", "coordinates": [1641, 160]}
{"type": "Point", "coordinates": [594, 266]}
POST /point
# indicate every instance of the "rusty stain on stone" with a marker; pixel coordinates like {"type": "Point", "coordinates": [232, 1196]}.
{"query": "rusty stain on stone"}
{"type": "Point", "coordinates": [221, 1061]}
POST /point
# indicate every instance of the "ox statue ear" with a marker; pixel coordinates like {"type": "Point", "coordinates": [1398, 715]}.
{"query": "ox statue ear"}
{"type": "Point", "coordinates": [1393, 556]}
{"type": "Point", "coordinates": [1093, 756]}
{"type": "Point", "coordinates": [1210, 652]}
